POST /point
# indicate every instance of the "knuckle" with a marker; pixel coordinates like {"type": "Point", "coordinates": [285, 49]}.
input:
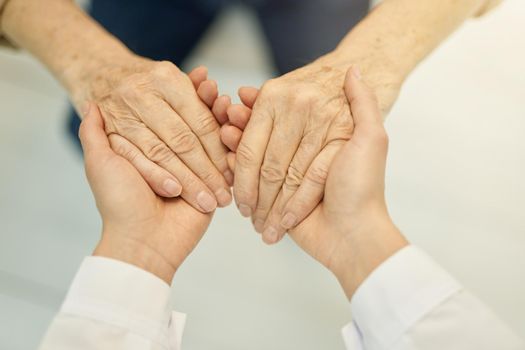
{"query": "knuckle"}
{"type": "Point", "coordinates": [209, 177]}
{"type": "Point", "coordinates": [272, 175]}
{"type": "Point", "coordinates": [159, 153]}
{"type": "Point", "coordinates": [261, 213]}
{"type": "Point", "coordinates": [122, 150]}
{"type": "Point", "coordinates": [293, 178]}
{"type": "Point", "coordinates": [272, 89]}
{"type": "Point", "coordinates": [163, 69]}
{"type": "Point", "coordinates": [245, 155]}
{"type": "Point", "coordinates": [300, 205]}
{"type": "Point", "coordinates": [189, 182]}
{"type": "Point", "coordinates": [207, 125]}
{"type": "Point", "coordinates": [317, 175]}
{"type": "Point", "coordinates": [183, 142]}
{"type": "Point", "coordinates": [270, 85]}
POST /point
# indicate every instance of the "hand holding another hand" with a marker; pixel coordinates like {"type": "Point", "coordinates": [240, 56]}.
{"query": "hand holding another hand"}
{"type": "Point", "coordinates": [139, 227]}
{"type": "Point", "coordinates": [298, 124]}
{"type": "Point", "coordinates": [350, 230]}
{"type": "Point", "coordinates": [155, 110]}
{"type": "Point", "coordinates": [349, 222]}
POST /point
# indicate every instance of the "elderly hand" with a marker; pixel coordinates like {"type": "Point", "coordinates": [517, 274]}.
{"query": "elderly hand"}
{"type": "Point", "coordinates": [299, 122]}
{"type": "Point", "coordinates": [352, 218]}
{"type": "Point", "coordinates": [155, 109]}
{"type": "Point", "coordinates": [139, 227]}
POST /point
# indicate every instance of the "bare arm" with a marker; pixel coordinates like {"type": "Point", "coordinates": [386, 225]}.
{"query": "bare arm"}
{"type": "Point", "coordinates": [397, 35]}
{"type": "Point", "coordinates": [305, 110]}
{"type": "Point", "coordinates": [64, 38]}
{"type": "Point", "coordinates": [152, 105]}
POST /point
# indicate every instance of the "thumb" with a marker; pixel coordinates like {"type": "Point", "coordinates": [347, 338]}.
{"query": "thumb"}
{"type": "Point", "coordinates": [92, 134]}
{"type": "Point", "coordinates": [362, 100]}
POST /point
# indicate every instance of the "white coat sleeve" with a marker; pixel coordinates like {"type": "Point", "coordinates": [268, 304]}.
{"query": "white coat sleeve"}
{"type": "Point", "coordinates": [117, 306]}
{"type": "Point", "coordinates": [410, 302]}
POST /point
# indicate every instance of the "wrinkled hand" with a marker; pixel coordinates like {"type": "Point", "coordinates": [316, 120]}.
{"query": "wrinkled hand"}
{"type": "Point", "coordinates": [352, 218]}
{"type": "Point", "coordinates": [299, 122]}
{"type": "Point", "coordinates": [139, 227]}
{"type": "Point", "coordinates": [155, 109]}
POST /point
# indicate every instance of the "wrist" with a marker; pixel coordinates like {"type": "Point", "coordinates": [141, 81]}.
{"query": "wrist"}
{"type": "Point", "coordinates": [89, 79]}
{"type": "Point", "coordinates": [65, 39]}
{"type": "Point", "coordinates": [135, 253]}
{"type": "Point", "coordinates": [379, 73]}
{"type": "Point", "coordinates": [364, 248]}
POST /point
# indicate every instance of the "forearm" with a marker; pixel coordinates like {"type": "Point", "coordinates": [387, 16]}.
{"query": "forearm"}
{"type": "Point", "coordinates": [63, 37]}
{"type": "Point", "coordinates": [389, 43]}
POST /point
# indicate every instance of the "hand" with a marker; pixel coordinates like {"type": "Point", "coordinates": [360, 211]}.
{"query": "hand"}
{"type": "Point", "coordinates": [154, 107]}
{"type": "Point", "coordinates": [350, 231]}
{"type": "Point", "coordinates": [139, 227]}
{"type": "Point", "coordinates": [299, 123]}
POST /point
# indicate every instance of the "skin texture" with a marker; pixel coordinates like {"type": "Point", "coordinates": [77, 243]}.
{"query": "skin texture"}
{"type": "Point", "coordinates": [170, 125]}
{"type": "Point", "coordinates": [349, 231]}
{"type": "Point", "coordinates": [160, 180]}
{"type": "Point", "coordinates": [301, 120]}
{"type": "Point", "coordinates": [151, 105]}
{"type": "Point", "coordinates": [139, 227]}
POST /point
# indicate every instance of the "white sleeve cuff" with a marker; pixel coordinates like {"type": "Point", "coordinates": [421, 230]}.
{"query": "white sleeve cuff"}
{"type": "Point", "coordinates": [123, 295]}
{"type": "Point", "coordinates": [395, 296]}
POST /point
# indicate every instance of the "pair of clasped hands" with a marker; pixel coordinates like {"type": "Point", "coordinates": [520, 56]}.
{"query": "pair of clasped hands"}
{"type": "Point", "coordinates": [326, 192]}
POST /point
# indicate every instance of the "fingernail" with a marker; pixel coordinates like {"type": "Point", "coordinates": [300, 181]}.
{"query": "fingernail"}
{"type": "Point", "coordinates": [258, 225]}
{"type": "Point", "coordinates": [356, 72]}
{"type": "Point", "coordinates": [245, 210]}
{"type": "Point", "coordinates": [206, 202]}
{"type": "Point", "coordinates": [224, 197]}
{"type": "Point", "coordinates": [172, 187]}
{"type": "Point", "coordinates": [288, 221]}
{"type": "Point", "coordinates": [270, 235]}
{"type": "Point", "coordinates": [86, 109]}
{"type": "Point", "coordinates": [228, 176]}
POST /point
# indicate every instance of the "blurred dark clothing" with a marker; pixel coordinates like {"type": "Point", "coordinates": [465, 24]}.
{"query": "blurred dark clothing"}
{"type": "Point", "coordinates": [298, 31]}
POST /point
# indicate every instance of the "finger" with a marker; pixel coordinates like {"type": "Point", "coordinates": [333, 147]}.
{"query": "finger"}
{"type": "Point", "coordinates": [91, 132]}
{"type": "Point", "coordinates": [282, 147]}
{"type": "Point", "coordinates": [294, 206]}
{"type": "Point", "coordinates": [239, 115]}
{"type": "Point", "coordinates": [185, 101]}
{"type": "Point", "coordinates": [249, 158]}
{"type": "Point", "coordinates": [248, 96]}
{"type": "Point", "coordinates": [175, 133]}
{"type": "Point", "coordinates": [194, 191]}
{"type": "Point", "coordinates": [295, 169]}
{"type": "Point", "coordinates": [231, 136]}
{"type": "Point", "coordinates": [198, 76]}
{"type": "Point", "coordinates": [208, 92]}
{"type": "Point", "coordinates": [161, 181]}
{"type": "Point", "coordinates": [362, 100]}
{"type": "Point", "coordinates": [220, 108]}
{"type": "Point", "coordinates": [231, 161]}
